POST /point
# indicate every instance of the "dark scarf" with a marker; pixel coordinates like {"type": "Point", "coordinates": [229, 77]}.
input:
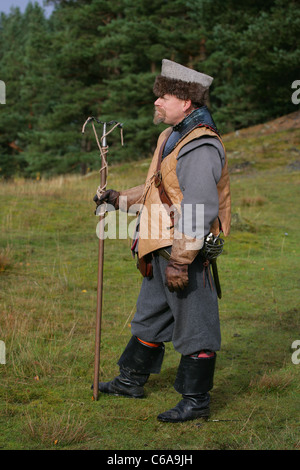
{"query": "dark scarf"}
{"type": "Point", "coordinates": [197, 118]}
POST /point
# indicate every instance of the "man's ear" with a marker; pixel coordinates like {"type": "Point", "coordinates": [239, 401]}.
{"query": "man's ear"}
{"type": "Point", "coordinates": [187, 105]}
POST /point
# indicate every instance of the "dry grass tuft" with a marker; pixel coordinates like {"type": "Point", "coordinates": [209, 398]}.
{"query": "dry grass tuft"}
{"type": "Point", "coordinates": [253, 201]}
{"type": "Point", "coordinates": [5, 259]}
{"type": "Point", "coordinates": [271, 381]}
{"type": "Point", "coordinates": [60, 431]}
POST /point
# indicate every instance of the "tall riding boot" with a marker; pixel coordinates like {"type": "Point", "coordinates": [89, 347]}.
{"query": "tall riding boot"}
{"type": "Point", "coordinates": [194, 380]}
{"type": "Point", "coordinates": [137, 362]}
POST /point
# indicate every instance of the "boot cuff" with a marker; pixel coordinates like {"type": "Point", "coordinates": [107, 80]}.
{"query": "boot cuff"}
{"type": "Point", "coordinates": [142, 359]}
{"type": "Point", "coordinates": [195, 375]}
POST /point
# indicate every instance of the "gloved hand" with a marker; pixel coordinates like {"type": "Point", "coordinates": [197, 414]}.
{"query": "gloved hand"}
{"type": "Point", "coordinates": [184, 251]}
{"type": "Point", "coordinates": [176, 276]}
{"type": "Point", "coordinates": [110, 197]}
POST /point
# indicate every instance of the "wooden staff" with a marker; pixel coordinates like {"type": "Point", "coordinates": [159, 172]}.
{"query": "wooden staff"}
{"type": "Point", "coordinates": [101, 211]}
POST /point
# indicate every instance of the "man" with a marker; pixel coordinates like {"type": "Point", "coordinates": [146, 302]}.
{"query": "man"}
{"type": "Point", "coordinates": [178, 299]}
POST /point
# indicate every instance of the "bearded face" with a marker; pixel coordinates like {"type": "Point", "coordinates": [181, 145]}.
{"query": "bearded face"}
{"type": "Point", "coordinates": [170, 110]}
{"type": "Point", "coordinates": [159, 115]}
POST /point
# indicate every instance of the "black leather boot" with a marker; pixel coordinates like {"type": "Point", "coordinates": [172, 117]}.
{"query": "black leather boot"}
{"type": "Point", "coordinates": [127, 384]}
{"type": "Point", "coordinates": [137, 362]}
{"type": "Point", "coordinates": [194, 380]}
{"type": "Point", "coordinates": [190, 407]}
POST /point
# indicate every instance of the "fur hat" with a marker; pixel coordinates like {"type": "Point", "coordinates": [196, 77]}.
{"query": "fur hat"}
{"type": "Point", "coordinates": [185, 83]}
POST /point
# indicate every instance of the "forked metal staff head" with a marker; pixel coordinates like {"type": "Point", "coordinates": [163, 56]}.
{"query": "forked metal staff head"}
{"type": "Point", "coordinates": [105, 125]}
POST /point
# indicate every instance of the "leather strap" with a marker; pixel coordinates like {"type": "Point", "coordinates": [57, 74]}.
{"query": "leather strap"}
{"type": "Point", "coordinates": [158, 182]}
{"type": "Point", "coordinates": [144, 264]}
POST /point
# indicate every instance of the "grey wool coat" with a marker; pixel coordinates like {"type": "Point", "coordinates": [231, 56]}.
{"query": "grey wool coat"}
{"type": "Point", "coordinates": [190, 318]}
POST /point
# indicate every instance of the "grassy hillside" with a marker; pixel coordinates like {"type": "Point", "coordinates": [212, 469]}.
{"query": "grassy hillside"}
{"type": "Point", "coordinates": [48, 278]}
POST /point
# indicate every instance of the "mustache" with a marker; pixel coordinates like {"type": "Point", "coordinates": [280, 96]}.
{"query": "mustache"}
{"type": "Point", "coordinates": [159, 115]}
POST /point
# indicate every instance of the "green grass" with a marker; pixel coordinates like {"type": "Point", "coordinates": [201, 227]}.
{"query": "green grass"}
{"type": "Point", "coordinates": [48, 279]}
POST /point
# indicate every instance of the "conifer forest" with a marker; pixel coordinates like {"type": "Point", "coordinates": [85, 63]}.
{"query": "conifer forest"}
{"type": "Point", "coordinates": [100, 58]}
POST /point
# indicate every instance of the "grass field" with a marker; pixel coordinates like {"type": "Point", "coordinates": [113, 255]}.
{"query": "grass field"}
{"type": "Point", "coordinates": [48, 279]}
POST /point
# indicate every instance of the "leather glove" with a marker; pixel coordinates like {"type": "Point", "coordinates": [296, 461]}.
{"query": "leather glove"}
{"type": "Point", "coordinates": [176, 276]}
{"type": "Point", "coordinates": [184, 251]}
{"type": "Point", "coordinates": [110, 197]}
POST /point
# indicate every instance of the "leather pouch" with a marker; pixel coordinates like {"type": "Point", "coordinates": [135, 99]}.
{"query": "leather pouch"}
{"type": "Point", "coordinates": [144, 265]}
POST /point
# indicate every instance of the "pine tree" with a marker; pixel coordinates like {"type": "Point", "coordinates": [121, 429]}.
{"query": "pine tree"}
{"type": "Point", "coordinates": [12, 116]}
{"type": "Point", "coordinates": [251, 50]}
{"type": "Point", "coordinates": [135, 43]}
{"type": "Point", "coordinates": [99, 58]}
{"type": "Point", "coordinates": [36, 87]}
{"type": "Point", "coordinates": [76, 88]}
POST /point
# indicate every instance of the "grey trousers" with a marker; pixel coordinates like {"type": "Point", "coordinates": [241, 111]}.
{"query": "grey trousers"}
{"type": "Point", "coordinates": [190, 318]}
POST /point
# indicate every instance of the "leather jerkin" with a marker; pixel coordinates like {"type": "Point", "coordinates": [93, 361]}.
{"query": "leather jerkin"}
{"type": "Point", "coordinates": [144, 264]}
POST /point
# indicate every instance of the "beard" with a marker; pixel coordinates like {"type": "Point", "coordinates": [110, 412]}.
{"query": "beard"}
{"type": "Point", "coordinates": [159, 116]}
